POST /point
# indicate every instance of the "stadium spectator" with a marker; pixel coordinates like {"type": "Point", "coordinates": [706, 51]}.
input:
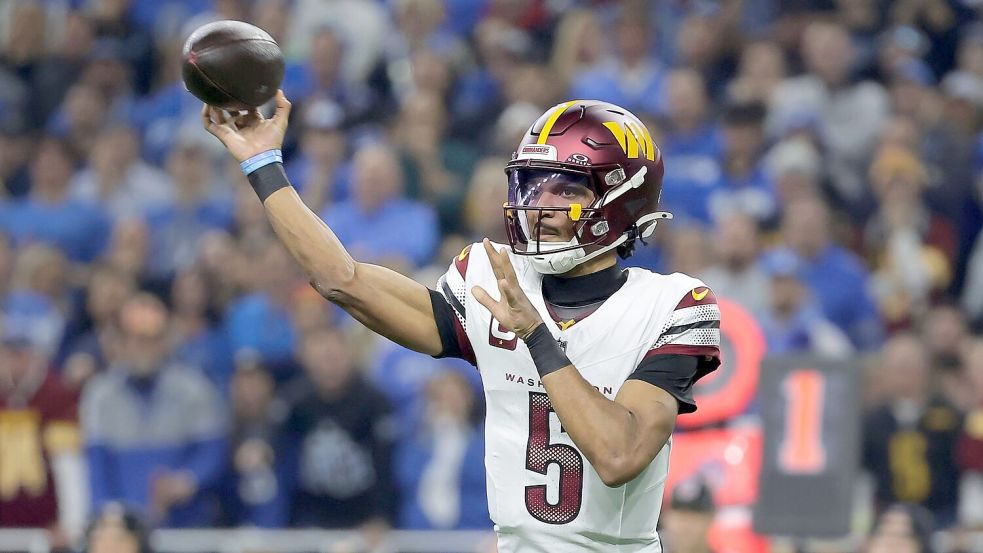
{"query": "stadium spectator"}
{"type": "Point", "coordinates": [109, 73]}
{"type": "Point", "coordinates": [836, 278]}
{"type": "Point", "coordinates": [225, 269]}
{"type": "Point", "coordinates": [737, 275]}
{"type": "Point", "coordinates": [15, 155]}
{"type": "Point", "coordinates": [485, 188]}
{"type": "Point", "coordinates": [901, 529]}
{"type": "Point", "coordinates": [479, 95]}
{"type": "Point", "coordinates": [687, 521]}
{"type": "Point", "coordinates": [628, 77]}
{"type": "Point", "coordinates": [129, 249]}
{"type": "Point", "coordinates": [117, 529]}
{"type": "Point", "coordinates": [118, 179]}
{"type": "Point", "coordinates": [913, 248]}
{"type": "Point", "coordinates": [40, 300]}
{"type": "Point", "coordinates": [250, 226]}
{"type": "Point", "coordinates": [969, 450]}
{"type": "Point", "coordinates": [437, 465]}
{"type": "Point", "coordinates": [742, 184]}
{"type": "Point", "coordinates": [693, 140]}
{"type": "Point", "coordinates": [256, 491]}
{"type": "Point", "coordinates": [7, 255]}
{"type": "Point", "coordinates": [342, 432]}
{"type": "Point", "coordinates": [419, 28]}
{"type": "Point", "coordinates": [791, 321]}
{"type": "Point", "coordinates": [436, 166]}
{"type": "Point", "coordinates": [81, 116]}
{"type": "Point", "coordinates": [688, 251]}
{"type": "Point", "coordinates": [43, 484]}
{"type": "Point", "coordinates": [946, 336]}
{"type": "Point", "coordinates": [175, 228]}
{"type": "Point", "coordinates": [795, 168]}
{"type": "Point", "coordinates": [320, 167]}
{"type": "Point", "coordinates": [910, 440]}
{"type": "Point", "coordinates": [200, 343]}
{"type": "Point", "coordinates": [260, 321]}
{"type": "Point", "coordinates": [851, 113]}
{"type": "Point", "coordinates": [701, 44]}
{"type": "Point", "coordinates": [378, 223]}
{"type": "Point", "coordinates": [112, 20]}
{"type": "Point", "coordinates": [574, 44]}
{"type": "Point", "coordinates": [95, 339]}
{"type": "Point", "coordinates": [154, 430]}
{"type": "Point", "coordinates": [50, 215]}
{"type": "Point", "coordinates": [761, 69]}
{"type": "Point", "coordinates": [309, 314]}
{"type": "Point", "coordinates": [321, 76]}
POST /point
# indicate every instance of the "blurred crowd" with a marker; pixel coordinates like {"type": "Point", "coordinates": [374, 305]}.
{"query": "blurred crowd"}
{"type": "Point", "coordinates": [824, 162]}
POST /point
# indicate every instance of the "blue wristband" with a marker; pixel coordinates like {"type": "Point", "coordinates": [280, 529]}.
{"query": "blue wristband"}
{"type": "Point", "coordinates": [261, 160]}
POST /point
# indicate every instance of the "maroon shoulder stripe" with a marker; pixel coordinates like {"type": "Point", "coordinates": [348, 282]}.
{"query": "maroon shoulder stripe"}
{"type": "Point", "coordinates": [461, 261]}
{"type": "Point", "coordinates": [700, 295]}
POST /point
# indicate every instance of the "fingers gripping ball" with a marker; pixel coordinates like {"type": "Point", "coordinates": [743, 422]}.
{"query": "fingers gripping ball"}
{"type": "Point", "coordinates": [232, 65]}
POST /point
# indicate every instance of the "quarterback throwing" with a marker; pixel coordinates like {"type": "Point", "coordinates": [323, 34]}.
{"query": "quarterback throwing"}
{"type": "Point", "coordinates": [585, 365]}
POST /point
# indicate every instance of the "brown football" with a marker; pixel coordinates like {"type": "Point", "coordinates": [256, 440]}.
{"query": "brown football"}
{"type": "Point", "coordinates": [232, 65]}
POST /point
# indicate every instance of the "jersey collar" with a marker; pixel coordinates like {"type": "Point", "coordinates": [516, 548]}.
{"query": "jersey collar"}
{"type": "Point", "coordinates": [585, 289]}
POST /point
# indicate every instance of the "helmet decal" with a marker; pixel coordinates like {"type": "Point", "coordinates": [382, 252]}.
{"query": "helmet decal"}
{"type": "Point", "coordinates": [633, 137]}
{"type": "Point", "coordinates": [537, 151]}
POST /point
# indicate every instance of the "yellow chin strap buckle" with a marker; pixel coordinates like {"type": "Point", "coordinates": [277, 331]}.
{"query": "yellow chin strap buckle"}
{"type": "Point", "coordinates": [575, 210]}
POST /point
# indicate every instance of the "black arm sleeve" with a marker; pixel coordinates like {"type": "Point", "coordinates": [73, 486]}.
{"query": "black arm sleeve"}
{"type": "Point", "coordinates": [447, 322]}
{"type": "Point", "coordinates": [676, 374]}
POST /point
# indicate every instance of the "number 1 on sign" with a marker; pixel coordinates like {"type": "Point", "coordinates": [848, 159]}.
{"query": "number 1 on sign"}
{"type": "Point", "coordinates": [802, 450]}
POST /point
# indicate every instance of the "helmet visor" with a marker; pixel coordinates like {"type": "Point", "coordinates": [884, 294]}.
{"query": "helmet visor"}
{"type": "Point", "coordinates": [546, 188]}
{"type": "Point", "coordinates": [546, 206]}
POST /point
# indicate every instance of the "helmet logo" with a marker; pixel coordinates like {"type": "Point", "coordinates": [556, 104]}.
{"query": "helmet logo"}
{"type": "Point", "coordinates": [537, 151]}
{"type": "Point", "coordinates": [600, 228]}
{"type": "Point", "coordinates": [579, 159]}
{"type": "Point", "coordinates": [633, 138]}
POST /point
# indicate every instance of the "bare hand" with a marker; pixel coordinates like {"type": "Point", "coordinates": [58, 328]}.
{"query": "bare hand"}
{"type": "Point", "coordinates": [514, 311]}
{"type": "Point", "coordinates": [249, 134]}
{"type": "Point", "coordinates": [172, 488]}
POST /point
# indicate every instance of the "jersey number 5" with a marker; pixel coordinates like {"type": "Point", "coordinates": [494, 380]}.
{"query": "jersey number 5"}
{"type": "Point", "coordinates": [540, 454]}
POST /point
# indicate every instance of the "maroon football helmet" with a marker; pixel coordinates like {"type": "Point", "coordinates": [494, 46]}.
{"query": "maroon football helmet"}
{"type": "Point", "coordinates": [596, 163]}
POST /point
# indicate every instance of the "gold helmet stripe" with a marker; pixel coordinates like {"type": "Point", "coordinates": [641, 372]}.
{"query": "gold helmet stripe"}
{"type": "Point", "coordinates": [560, 110]}
{"type": "Point", "coordinates": [649, 145]}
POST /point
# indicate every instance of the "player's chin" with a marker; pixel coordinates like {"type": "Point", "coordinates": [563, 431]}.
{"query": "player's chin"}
{"type": "Point", "coordinates": [553, 237]}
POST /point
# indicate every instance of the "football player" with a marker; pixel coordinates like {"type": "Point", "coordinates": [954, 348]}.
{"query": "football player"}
{"type": "Point", "coordinates": [585, 365]}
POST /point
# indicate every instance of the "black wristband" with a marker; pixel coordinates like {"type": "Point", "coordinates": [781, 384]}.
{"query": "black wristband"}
{"type": "Point", "coordinates": [268, 179]}
{"type": "Point", "coordinates": [546, 353]}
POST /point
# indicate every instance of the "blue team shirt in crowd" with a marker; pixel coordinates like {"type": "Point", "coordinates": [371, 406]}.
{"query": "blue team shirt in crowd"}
{"type": "Point", "coordinates": [838, 281]}
{"type": "Point", "coordinates": [399, 227]}
{"type": "Point", "coordinates": [607, 82]}
{"type": "Point", "coordinates": [255, 322]}
{"type": "Point", "coordinates": [79, 229]}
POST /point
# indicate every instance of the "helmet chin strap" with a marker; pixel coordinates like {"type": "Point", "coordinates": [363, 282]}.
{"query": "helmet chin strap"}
{"type": "Point", "coordinates": [555, 263]}
{"type": "Point", "coordinates": [562, 262]}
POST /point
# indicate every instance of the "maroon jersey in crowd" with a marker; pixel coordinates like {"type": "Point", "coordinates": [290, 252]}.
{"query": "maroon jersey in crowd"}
{"type": "Point", "coordinates": [32, 430]}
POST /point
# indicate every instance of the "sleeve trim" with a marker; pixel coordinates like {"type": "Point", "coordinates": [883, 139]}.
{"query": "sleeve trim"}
{"type": "Point", "coordinates": [682, 349]}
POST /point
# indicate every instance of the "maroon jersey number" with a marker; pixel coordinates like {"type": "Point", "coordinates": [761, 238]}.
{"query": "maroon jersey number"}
{"type": "Point", "coordinates": [540, 454]}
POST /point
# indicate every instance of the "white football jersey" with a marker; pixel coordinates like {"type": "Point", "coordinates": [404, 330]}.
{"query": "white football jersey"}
{"type": "Point", "coordinates": [543, 494]}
